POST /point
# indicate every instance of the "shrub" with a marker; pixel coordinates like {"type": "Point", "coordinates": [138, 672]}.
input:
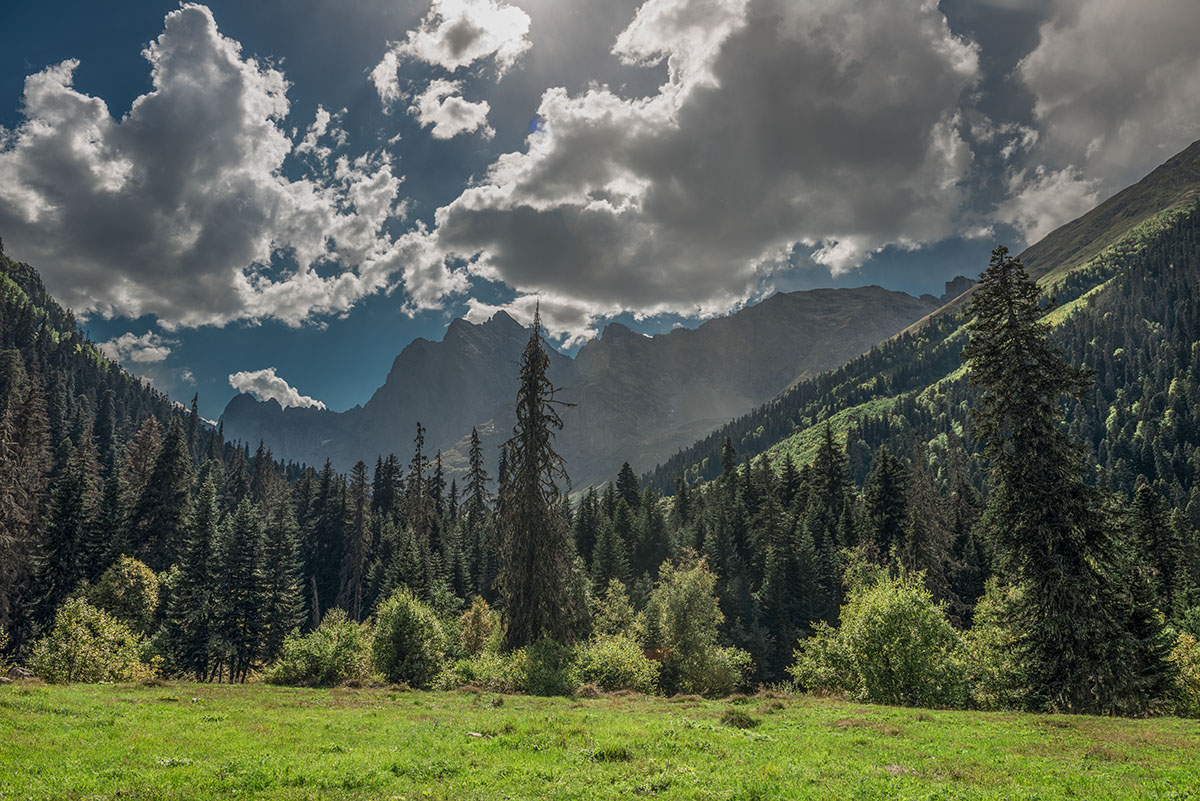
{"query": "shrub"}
{"type": "Point", "coordinates": [894, 646]}
{"type": "Point", "coordinates": [491, 671]}
{"type": "Point", "coordinates": [409, 643]}
{"type": "Point", "coordinates": [739, 719]}
{"type": "Point", "coordinates": [615, 662]}
{"type": "Point", "coordinates": [682, 619]}
{"type": "Point", "coordinates": [995, 675]}
{"type": "Point", "coordinates": [336, 652]}
{"type": "Point", "coordinates": [614, 614]}
{"type": "Point", "coordinates": [127, 590]}
{"type": "Point", "coordinates": [476, 627]}
{"type": "Point", "coordinates": [548, 668]}
{"type": "Point", "coordinates": [88, 644]}
{"type": "Point", "coordinates": [1186, 658]}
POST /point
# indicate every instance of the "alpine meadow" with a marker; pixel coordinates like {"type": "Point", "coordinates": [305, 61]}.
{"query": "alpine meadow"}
{"type": "Point", "coordinates": [684, 399]}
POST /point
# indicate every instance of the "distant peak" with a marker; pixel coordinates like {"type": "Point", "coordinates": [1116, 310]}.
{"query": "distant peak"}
{"type": "Point", "coordinates": [616, 331]}
{"type": "Point", "coordinates": [503, 318]}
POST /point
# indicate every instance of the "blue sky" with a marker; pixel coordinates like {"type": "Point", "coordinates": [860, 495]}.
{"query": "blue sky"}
{"type": "Point", "coordinates": [308, 186]}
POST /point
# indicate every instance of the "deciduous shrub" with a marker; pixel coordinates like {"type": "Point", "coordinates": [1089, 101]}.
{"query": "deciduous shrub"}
{"type": "Point", "coordinates": [894, 646]}
{"type": "Point", "coordinates": [336, 652]}
{"type": "Point", "coordinates": [128, 590]}
{"type": "Point", "coordinates": [87, 644]}
{"type": "Point", "coordinates": [684, 616]}
{"type": "Point", "coordinates": [409, 644]}
{"type": "Point", "coordinates": [1185, 656]}
{"type": "Point", "coordinates": [995, 675]}
{"type": "Point", "coordinates": [548, 668]}
{"type": "Point", "coordinates": [615, 662]}
{"type": "Point", "coordinates": [489, 670]}
{"type": "Point", "coordinates": [476, 626]}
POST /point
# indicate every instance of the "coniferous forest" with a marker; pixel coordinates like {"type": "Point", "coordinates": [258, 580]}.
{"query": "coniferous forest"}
{"type": "Point", "coordinates": [1009, 521]}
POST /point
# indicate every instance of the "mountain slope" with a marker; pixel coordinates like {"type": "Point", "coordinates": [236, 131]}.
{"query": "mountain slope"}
{"type": "Point", "coordinates": [1133, 255]}
{"type": "Point", "coordinates": [636, 398]}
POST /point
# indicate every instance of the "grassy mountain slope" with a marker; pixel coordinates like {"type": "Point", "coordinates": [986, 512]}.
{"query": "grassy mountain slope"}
{"type": "Point", "coordinates": [913, 389]}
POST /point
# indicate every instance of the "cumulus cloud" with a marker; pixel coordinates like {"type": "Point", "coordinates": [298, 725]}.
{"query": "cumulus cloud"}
{"type": "Point", "coordinates": [831, 125]}
{"type": "Point", "coordinates": [454, 35]}
{"type": "Point", "coordinates": [182, 207]}
{"type": "Point", "coordinates": [1116, 86]}
{"type": "Point", "coordinates": [1041, 202]}
{"type": "Point", "coordinates": [265, 385]}
{"type": "Point", "coordinates": [149, 348]}
{"type": "Point", "coordinates": [442, 106]}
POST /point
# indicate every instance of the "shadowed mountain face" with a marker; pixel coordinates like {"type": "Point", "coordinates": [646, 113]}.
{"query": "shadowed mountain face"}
{"type": "Point", "coordinates": [637, 398]}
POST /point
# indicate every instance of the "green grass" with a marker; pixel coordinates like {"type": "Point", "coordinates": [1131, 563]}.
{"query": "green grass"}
{"type": "Point", "coordinates": [255, 741]}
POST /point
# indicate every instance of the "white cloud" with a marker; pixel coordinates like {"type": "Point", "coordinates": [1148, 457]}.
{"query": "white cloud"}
{"type": "Point", "coordinates": [1116, 85]}
{"type": "Point", "coordinates": [148, 348]}
{"type": "Point", "coordinates": [178, 208]}
{"type": "Point", "coordinates": [568, 322]}
{"type": "Point", "coordinates": [1039, 203]}
{"type": "Point", "coordinates": [456, 34]}
{"type": "Point", "coordinates": [829, 123]}
{"type": "Point", "coordinates": [265, 385]}
{"type": "Point", "coordinates": [442, 106]}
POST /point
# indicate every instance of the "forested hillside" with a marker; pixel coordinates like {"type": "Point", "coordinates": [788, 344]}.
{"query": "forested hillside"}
{"type": "Point", "coordinates": [1017, 529]}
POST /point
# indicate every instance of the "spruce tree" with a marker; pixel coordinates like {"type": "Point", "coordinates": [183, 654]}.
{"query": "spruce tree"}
{"type": "Point", "coordinates": [24, 466]}
{"type": "Point", "coordinates": [535, 552]}
{"type": "Point", "coordinates": [73, 508]}
{"type": "Point", "coordinates": [282, 605]}
{"type": "Point", "coordinates": [158, 524]}
{"type": "Point", "coordinates": [242, 623]}
{"type": "Point", "coordinates": [1082, 630]}
{"type": "Point", "coordinates": [886, 497]}
{"type": "Point", "coordinates": [192, 604]}
{"type": "Point", "coordinates": [358, 540]}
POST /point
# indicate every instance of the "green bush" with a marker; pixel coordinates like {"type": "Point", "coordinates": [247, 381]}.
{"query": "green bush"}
{"type": "Point", "coordinates": [894, 646]}
{"type": "Point", "coordinates": [548, 668]}
{"type": "Point", "coordinates": [995, 675]}
{"type": "Point", "coordinates": [475, 627]}
{"type": "Point", "coordinates": [1185, 656]}
{"type": "Point", "coordinates": [491, 671]}
{"type": "Point", "coordinates": [336, 652]}
{"type": "Point", "coordinates": [615, 662]}
{"type": "Point", "coordinates": [128, 590]}
{"type": "Point", "coordinates": [409, 644]}
{"type": "Point", "coordinates": [88, 644]}
{"type": "Point", "coordinates": [682, 620]}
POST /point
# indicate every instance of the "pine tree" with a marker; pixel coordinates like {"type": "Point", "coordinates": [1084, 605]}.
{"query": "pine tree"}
{"type": "Point", "coordinates": [358, 539]}
{"type": "Point", "coordinates": [1081, 629]}
{"type": "Point", "coordinates": [627, 486]}
{"type": "Point", "coordinates": [242, 623]}
{"type": "Point", "coordinates": [609, 557]}
{"type": "Point", "coordinates": [159, 520]}
{"type": "Point", "coordinates": [73, 509]}
{"type": "Point", "coordinates": [886, 496]}
{"type": "Point", "coordinates": [24, 465]}
{"type": "Point", "coordinates": [282, 606]}
{"type": "Point", "coordinates": [477, 477]}
{"type": "Point", "coordinates": [192, 605]}
{"type": "Point", "coordinates": [535, 549]}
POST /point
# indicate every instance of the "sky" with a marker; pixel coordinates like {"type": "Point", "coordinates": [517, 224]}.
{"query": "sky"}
{"type": "Point", "coordinates": [276, 197]}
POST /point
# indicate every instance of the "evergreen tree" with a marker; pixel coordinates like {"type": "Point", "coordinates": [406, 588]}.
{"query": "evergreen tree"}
{"type": "Point", "coordinates": [535, 548]}
{"type": "Point", "coordinates": [1082, 632]}
{"type": "Point", "coordinates": [192, 605]}
{"type": "Point", "coordinates": [242, 596]}
{"type": "Point", "coordinates": [71, 516]}
{"type": "Point", "coordinates": [159, 521]}
{"type": "Point", "coordinates": [609, 557]}
{"type": "Point", "coordinates": [24, 465]}
{"type": "Point", "coordinates": [477, 477]}
{"type": "Point", "coordinates": [282, 606]}
{"type": "Point", "coordinates": [358, 539]}
{"type": "Point", "coordinates": [627, 486]}
{"type": "Point", "coordinates": [886, 497]}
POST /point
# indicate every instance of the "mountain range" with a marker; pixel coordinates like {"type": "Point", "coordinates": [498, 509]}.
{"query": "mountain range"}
{"type": "Point", "coordinates": [636, 398]}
